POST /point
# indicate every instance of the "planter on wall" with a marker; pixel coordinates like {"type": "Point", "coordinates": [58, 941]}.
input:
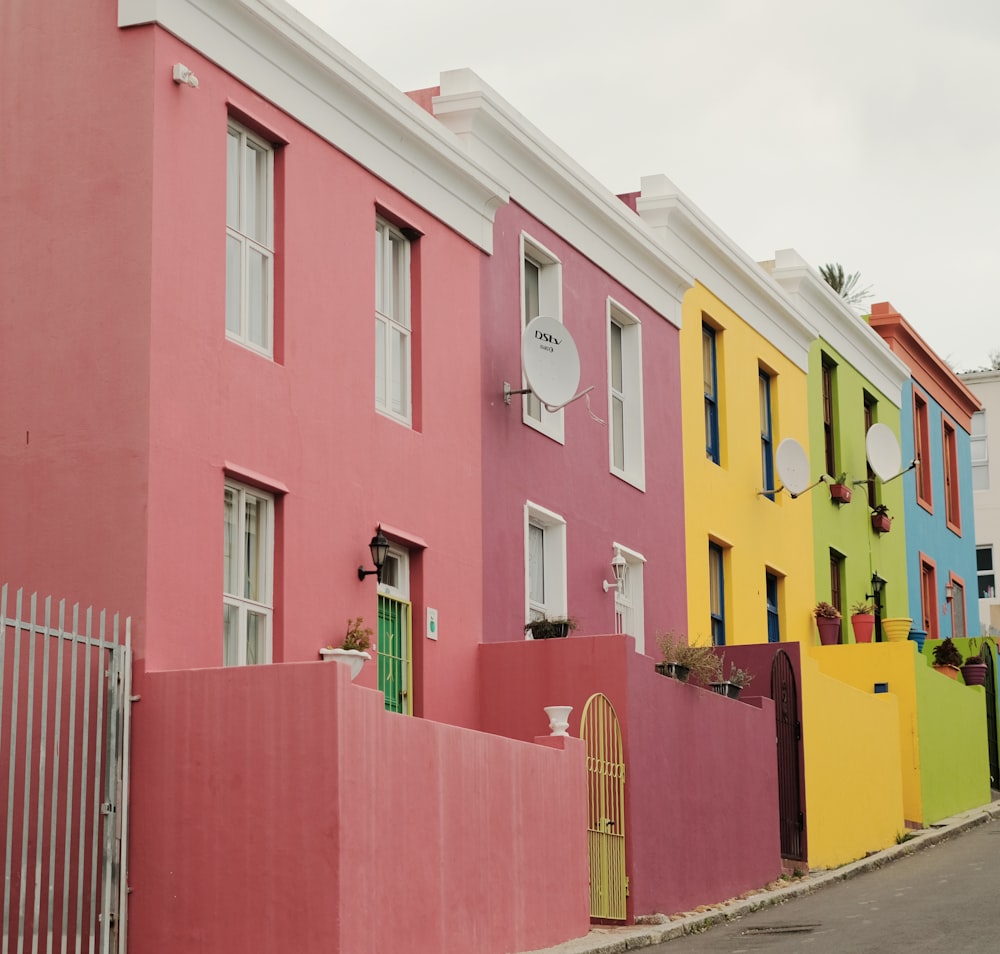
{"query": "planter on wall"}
{"type": "Point", "coordinates": [729, 689]}
{"type": "Point", "coordinates": [896, 628]}
{"type": "Point", "coordinates": [674, 670]}
{"type": "Point", "coordinates": [354, 658]}
{"type": "Point", "coordinates": [950, 671]}
{"type": "Point", "coordinates": [919, 637]}
{"type": "Point", "coordinates": [974, 674]}
{"type": "Point", "coordinates": [829, 630]}
{"type": "Point", "coordinates": [863, 625]}
{"type": "Point", "coordinates": [881, 523]}
{"type": "Point", "coordinates": [840, 493]}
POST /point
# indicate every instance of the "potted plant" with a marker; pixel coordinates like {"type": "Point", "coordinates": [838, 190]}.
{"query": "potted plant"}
{"type": "Point", "coordinates": [896, 628]}
{"type": "Point", "coordinates": [947, 658]}
{"type": "Point", "coordinates": [863, 621]}
{"type": "Point", "coordinates": [881, 521]}
{"type": "Point", "coordinates": [840, 492]}
{"type": "Point", "coordinates": [737, 680]}
{"type": "Point", "coordinates": [682, 660]}
{"type": "Point", "coordinates": [352, 650]}
{"type": "Point", "coordinates": [550, 627]}
{"type": "Point", "coordinates": [974, 667]}
{"type": "Point", "coordinates": [828, 622]}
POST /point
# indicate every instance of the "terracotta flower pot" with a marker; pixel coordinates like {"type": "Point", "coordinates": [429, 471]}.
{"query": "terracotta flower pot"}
{"type": "Point", "coordinates": [863, 625]}
{"type": "Point", "coordinates": [950, 671]}
{"type": "Point", "coordinates": [881, 523]}
{"type": "Point", "coordinates": [829, 630]}
{"type": "Point", "coordinates": [840, 493]}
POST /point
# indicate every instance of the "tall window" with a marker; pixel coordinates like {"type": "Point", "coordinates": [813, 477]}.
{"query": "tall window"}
{"type": "Point", "coordinates": [928, 598]}
{"type": "Point", "coordinates": [248, 559]}
{"type": "Point", "coordinates": [629, 609]}
{"type": "Point", "coordinates": [979, 452]}
{"type": "Point", "coordinates": [984, 570]}
{"type": "Point", "coordinates": [958, 622]}
{"type": "Point", "coordinates": [392, 322]}
{"type": "Point", "coordinates": [717, 593]}
{"type": "Point", "coordinates": [709, 364]}
{"type": "Point", "coordinates": [952, 497]}
{"type": "Point", "coordinates": [829, 417]}
{"type": "Point", "coordinates": [625, 396]}
{"type": "Point", "coordinates": [872, 484]}
{"type": "Point", "coordinates": [766, 436]}
{"type": "Point", "coordinates": [922, 450]}
{"type": "Point", "coordinates": [773, 619]}
{"type": "Point", "coordinates": [545, 563]}
{"type": "Point", "coordinates": [837, 562]}
{"type": "Point", "coordinates": [249, 239]}
{"type": "Point", "coordinates": [541, 285]}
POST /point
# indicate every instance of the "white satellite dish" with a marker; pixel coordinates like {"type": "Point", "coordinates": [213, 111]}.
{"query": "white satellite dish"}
{"type": "Point", "coordinates": [550, 361]}
{"type": "Point", "coordinates": [883, 451]}
{"type": "Point", "coordinates": [792, 465]}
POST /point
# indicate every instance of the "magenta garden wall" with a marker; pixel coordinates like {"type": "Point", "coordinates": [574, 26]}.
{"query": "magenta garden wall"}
{"type": "Point", "coordinates": [282, 808]}
{"type": "Point", "coordinates": [701, 773]}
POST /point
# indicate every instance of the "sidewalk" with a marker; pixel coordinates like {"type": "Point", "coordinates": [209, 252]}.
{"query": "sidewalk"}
{"type": "Point", "coordinates": [615, 940]}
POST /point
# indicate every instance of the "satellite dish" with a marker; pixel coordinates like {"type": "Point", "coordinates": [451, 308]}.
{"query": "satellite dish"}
{"type": "Point", "coordinates": [883, 451]}
{"type": "Point", "coordinates": [793, 466]}
{"type": "Point", "coordinates": [550, 361]}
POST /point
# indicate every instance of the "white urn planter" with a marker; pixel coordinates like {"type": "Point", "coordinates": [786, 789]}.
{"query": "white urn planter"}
{"type": "Point", "coordinates": [355, 658]}
{"type": "Point", "coordinates": [558, 719]}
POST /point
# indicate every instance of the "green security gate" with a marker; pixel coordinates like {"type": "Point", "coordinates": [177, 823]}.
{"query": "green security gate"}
{"type": "Point", "coordinates": [394, 637]}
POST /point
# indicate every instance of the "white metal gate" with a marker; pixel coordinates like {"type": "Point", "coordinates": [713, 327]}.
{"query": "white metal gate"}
{"type": "Point", "coordinates": [64, 734]}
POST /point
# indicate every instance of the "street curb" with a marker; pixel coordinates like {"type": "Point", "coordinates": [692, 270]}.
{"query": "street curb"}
{"type": "Point", "coordinates": [617, 940]}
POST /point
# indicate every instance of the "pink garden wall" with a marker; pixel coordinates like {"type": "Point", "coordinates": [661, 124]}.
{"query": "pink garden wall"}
{"type": "Point", "coordinates": [701, 772]}
{"type": "Point", "coordinates": [282, 808]}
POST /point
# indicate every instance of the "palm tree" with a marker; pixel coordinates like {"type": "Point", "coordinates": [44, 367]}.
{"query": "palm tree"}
{"type": "Point", "coordinates": [845, 285]}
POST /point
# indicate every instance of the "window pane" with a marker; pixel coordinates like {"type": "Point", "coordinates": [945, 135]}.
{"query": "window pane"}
{"type": "Point", "coordinates": [708, 363]}
{"type": "Point", "coordinates": [233, 180]}
{"type": "Point", "coordinates": [256, 634]}
{"type": "Point", "coordinates": [230, 635]}
{"type": "Point", "coordinates": [234, 249]}
{"type": "Point", "coordinates": [252, 537]}
{"type": "Point", "coordinates": [618, 431]}
{"type": "Point", "coordinates": [379, 270]}
{"type": "Point", "coordinates": [256, 193]}
{"type": "Point", "coordinates": [398, 305]}
{"type": "Point", "coordinates": [380, 333]}
{"type": "Point", "coordinates": [257, 280]}
{"type": "Point", "coordinates": [536, 564]}
{"type": "Point", "coordinates": [401, 366]}
{"type": "Point", "coordinates": [984, 558]}
{"type": "Point", "coordinates": [616, 356]}
{"type": "Point", "coordinates": [229, 570]}
{"type": "Point", "coordinates": [531, 276]}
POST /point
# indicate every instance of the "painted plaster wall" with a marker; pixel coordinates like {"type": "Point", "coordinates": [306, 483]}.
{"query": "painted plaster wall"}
{"type": "Point", "coordinates": [573, 479]}
{"type": "Point", "coordinates": [853, 762]}
{"type": "Point", "coordinates": [682, 848]}
{"type": "Point", "coordinates": [846, 528]}
{"type": "Point", "coordinates": [927, 532]}
{"type": "Point", "coordinates": [986, 503]}
{"type": "Point", "coordinates": [75, 278]}
{"type": "Point", "coordinates": [360, 846]}
{"type": "Point", "coordinates": [721, 500]}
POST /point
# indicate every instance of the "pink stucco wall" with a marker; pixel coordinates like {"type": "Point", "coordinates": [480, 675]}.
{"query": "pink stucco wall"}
{"type": "Point", "coordinates": [701, 772]}
{"type": "Point", "coordinates": [573, 479]}
{"type": "Point", "coordinates": [127, 403]}
{"type": "Point", "coordinates": [282, 808]}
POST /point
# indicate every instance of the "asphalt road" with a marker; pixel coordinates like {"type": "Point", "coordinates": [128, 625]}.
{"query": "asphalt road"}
{"type": "Point", "coordinates": [944, 899]}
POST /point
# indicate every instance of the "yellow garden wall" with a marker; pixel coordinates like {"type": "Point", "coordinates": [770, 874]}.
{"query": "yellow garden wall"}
{"type": "Point", "coordinates": [758, 535]}
{"type": "Point", "coordinates": [854, 793]}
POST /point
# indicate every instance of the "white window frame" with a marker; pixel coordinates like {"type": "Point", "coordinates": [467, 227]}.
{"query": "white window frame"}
{"type": "Point", "coordinates": [393, 322]}
{"type": "Point", "coordinates": [533, 412]}
{"type": "Point", "coordinates": [553, 526]}
{"type": "Point", "coordinates": [244, 605]}
{"type": "Point", "coordinates": [628, 396]}
{"type": "Point", "coordinates": [250, 241]}
{"type": "Point", "coordinates": [630, 615]}
{"type": "Point", "coordinates": [979, 452]}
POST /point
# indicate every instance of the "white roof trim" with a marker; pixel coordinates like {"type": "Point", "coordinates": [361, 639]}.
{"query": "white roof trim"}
{"type": "Point", "coordinates": [846, 332]}
{"type": "Point", "coordinates": [724, 268]}
{"type": "Point", "coordinates": [288, 60]}
{"type": "Point", "coordinates": [547, 183]}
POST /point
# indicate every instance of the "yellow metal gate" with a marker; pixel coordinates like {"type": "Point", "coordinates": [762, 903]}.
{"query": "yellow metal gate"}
{"type": "Point", "coordinates": [599, 728]}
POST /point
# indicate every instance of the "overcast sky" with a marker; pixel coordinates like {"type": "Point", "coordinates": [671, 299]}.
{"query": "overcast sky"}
{"type": "Point", "coordinates": [865, 132]}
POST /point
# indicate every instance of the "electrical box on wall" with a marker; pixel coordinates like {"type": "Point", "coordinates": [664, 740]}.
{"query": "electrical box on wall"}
{"type": "Point", "coordinates": [432, 623]}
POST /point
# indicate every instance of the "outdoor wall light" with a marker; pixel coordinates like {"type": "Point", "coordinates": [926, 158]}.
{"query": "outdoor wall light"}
{"type": "Point", "coordinates": [877, 584]}
{"type": "Point", "coordinates": [379, 548]}
{"type": "Point", "coordinates": [949, 591]}
{"type": "Point", "coordinates": [619, 567]}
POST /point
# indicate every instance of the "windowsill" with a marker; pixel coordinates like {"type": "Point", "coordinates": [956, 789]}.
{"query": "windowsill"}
{"type": "Point", "coordinates": [402, 422]}
{"type": "Point", "coordinates": [638, 482]}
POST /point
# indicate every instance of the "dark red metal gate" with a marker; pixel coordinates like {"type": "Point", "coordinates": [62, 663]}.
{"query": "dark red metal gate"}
{"type": "Point", "coordinates": [789, 732]}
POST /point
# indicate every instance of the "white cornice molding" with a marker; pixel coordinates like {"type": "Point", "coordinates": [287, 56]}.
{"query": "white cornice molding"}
{"type": "Point", "coordinates": [559, 193]}
{"type": "Point", "coordinates": [724, 268]}
{"type": "Point", "coordinates": [840, 327]}
{"type": "Point", "coordinates": [288, 60]}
